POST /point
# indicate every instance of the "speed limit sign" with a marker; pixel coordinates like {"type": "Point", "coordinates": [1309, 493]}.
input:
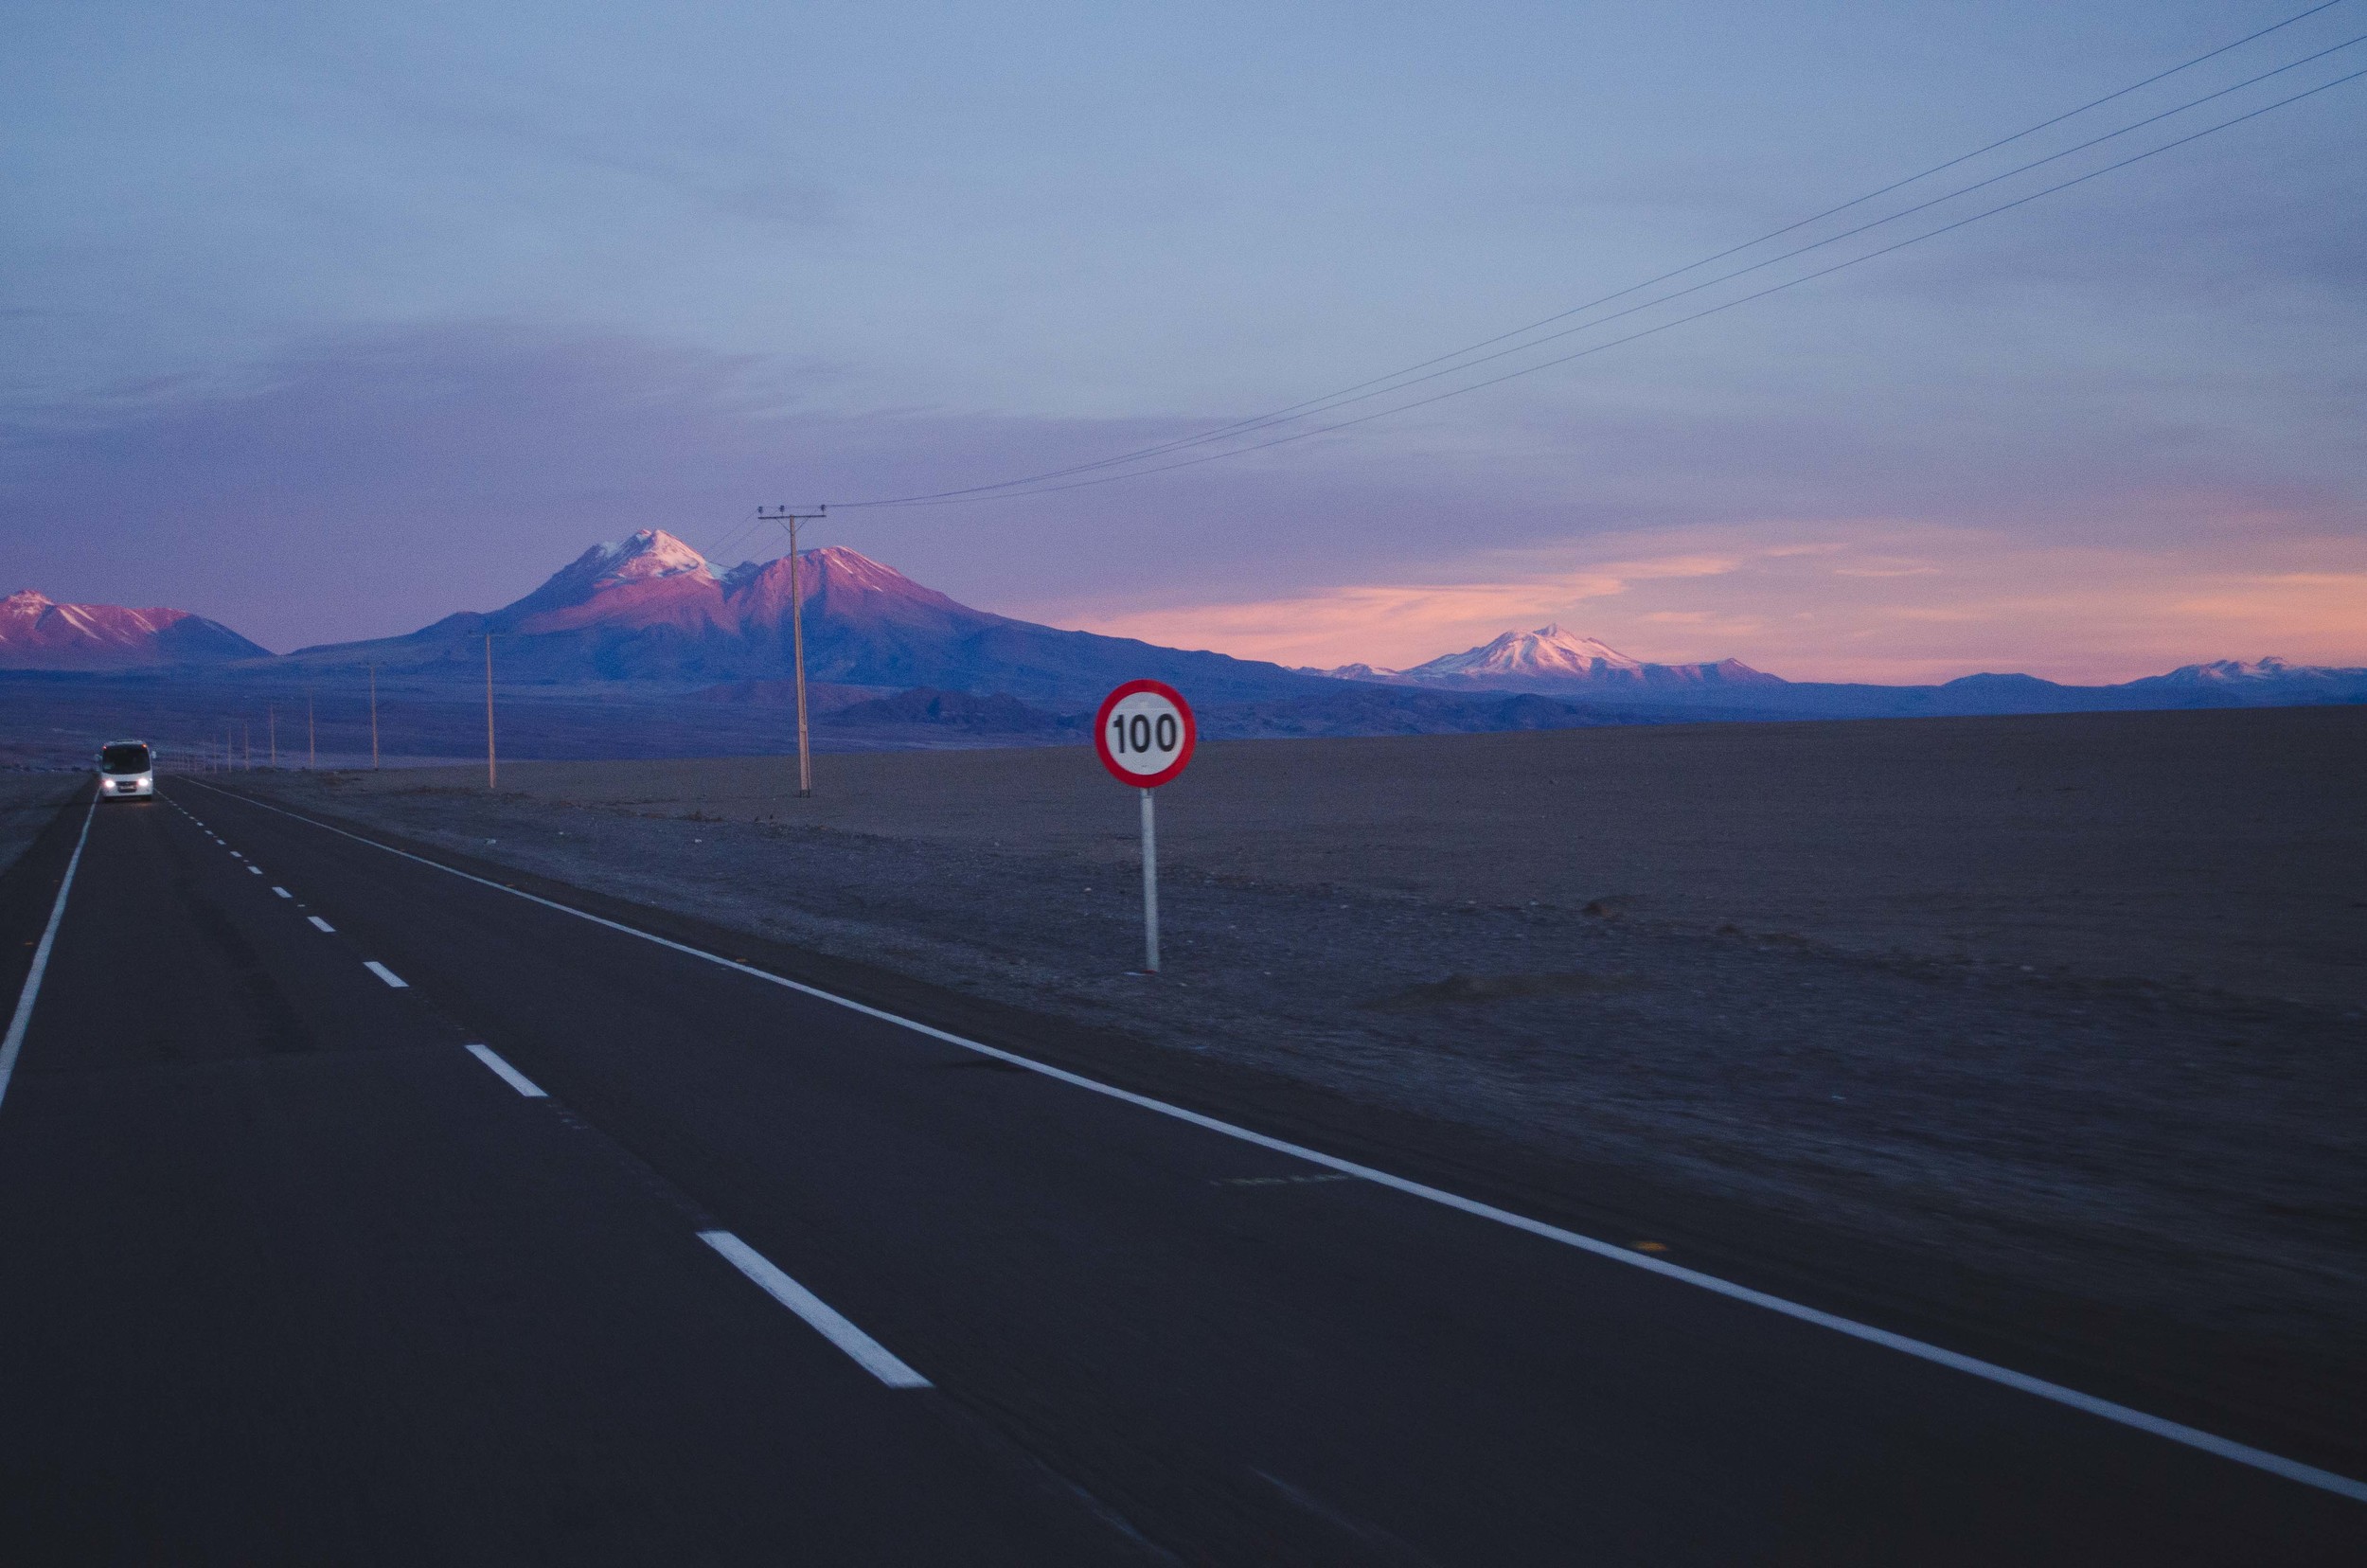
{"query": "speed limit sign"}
{"type": "Point", "coordinates": [1145, 733]}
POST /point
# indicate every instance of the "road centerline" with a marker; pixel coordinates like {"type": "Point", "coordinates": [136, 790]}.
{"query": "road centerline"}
{"type": "Point", "coordinates": [2110, 1411]}
{"type": "Point", "coordinates": [507, 1074]}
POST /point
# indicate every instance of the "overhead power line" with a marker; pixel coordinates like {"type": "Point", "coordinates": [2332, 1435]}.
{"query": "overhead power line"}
{"type": "Point", "coordinates": [748, 523]}
{"type": "Point", "coordinates": [1647, 332]}
{"type": "Point", "coordinates": [1407, 380]}
{"type": "Point", "coordinates": [1445, 364]}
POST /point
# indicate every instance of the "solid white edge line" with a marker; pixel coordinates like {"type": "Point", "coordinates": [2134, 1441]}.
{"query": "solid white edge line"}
{"type": "Point", "coordinates": [14, 1042]}
{"type": "Point", "coordinates": [867, 1353]}
{"type": "Point", "coordinates": [386, 975]}
{"type": "Point", "coordinates": [2175, 1431]}
{"type": "Point", "coordinates": [322, 924]}
{"type": "Point", "coordinates": [507, 1074]}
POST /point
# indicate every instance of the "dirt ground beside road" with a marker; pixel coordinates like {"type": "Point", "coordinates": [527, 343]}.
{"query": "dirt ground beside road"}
{"type": "Point", "coordinates": [2223, 849]}
{"type": "Point", "coordinates": [2068, 1003]}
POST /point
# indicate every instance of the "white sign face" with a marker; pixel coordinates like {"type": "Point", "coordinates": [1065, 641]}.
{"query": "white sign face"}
{"type": "Point", "coordinates": [1145, 737]}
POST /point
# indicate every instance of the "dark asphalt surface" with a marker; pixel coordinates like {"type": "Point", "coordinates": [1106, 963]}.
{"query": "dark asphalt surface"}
{"type": "Point", "coordinates": [287, 1275]}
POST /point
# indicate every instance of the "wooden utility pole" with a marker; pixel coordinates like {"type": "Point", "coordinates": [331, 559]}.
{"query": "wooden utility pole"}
{"type": "Point", "coordinates": [790, 520]}
{"type": "Point", "coordinates": [271, 717]}
{"type": "Point", "coordinates": [311, 735]}
{"type": "Point", "coordinates": [373, 718]}
{"type": "Point", "coordinates": [492, 778]}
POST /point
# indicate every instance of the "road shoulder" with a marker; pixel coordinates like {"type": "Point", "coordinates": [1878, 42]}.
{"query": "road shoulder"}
{"type": "Point", "coordinates": [2262, 1394]}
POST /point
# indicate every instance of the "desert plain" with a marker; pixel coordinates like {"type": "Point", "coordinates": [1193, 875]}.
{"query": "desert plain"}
{"type": "Point", "coordinates": [2051, 1031]}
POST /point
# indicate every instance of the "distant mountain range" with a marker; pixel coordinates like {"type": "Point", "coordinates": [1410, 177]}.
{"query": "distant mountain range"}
{"type": "Point", "coordinates": [651, 608]}
{"type": "Point", "coordinates": [37, 632]}
{"type": "Point", "coordinates": [650, 620]}
{"type": "Point", "coordinates": [1553, 662]}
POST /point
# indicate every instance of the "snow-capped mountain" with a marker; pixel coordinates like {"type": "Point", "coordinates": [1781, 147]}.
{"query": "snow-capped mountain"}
{"type": "Point", "coordinates": [1548, 651]}
{"type": "Point", "coordinates": [650, 620]}
{"type": "Point", "coordinates": [2253, 673]}
{"type": "Point", "coordinates": [1552, 660]}
{"type": "Point", "coordinates": [38, 632]}
{"type": "Point", "coordinates": [651, 608]}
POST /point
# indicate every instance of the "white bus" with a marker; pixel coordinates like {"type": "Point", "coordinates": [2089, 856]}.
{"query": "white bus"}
{"type": "Point", "coordinates": [126, 771]}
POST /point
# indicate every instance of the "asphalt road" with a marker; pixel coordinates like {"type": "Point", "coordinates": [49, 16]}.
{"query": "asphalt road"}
{"type": "Point", "coordinates": [293, 1270]}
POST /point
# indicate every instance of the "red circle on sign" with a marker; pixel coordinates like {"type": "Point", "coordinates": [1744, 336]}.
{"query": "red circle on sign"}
{"type": "Point", "coordinates": [1185, 742]}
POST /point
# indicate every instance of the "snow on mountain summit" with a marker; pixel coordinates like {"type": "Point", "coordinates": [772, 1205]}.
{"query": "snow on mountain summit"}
{"type": "Point", "coordinates": [1551, 659]}
{"type": "Point", "coordinates": [651, 608]}
{"type": "Point", "coordinates": [651, 553]}
{"type": "Point", "coordinates": [2271, 672]}
{"type": "Point", "coordinates": [852, 569]}
{"type": "Point", "coordinates": [652, 579]}
{"type": "Point", "coordinates": [1549, 651]}
{"type": "Point", "coordinates": [38, 632]}
{"type": "Point", "coordinates": [2268, 668]}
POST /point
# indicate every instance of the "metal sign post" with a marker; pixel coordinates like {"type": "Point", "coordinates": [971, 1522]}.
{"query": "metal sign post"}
{"type": "Point", "coordinates": [1151, 885]}
{"type": "Point", "coordinates": [1145, 735]}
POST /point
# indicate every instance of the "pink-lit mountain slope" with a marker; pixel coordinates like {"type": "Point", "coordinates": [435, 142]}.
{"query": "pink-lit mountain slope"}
{"type": "Point", "coordinates": [37, 632]}
{"type": "Point", "coordinates": [1552, 660]}
{"type": "Point", "coordinates": [651, 608]}
{"type": "Point", "coordinates": [2239, 674]}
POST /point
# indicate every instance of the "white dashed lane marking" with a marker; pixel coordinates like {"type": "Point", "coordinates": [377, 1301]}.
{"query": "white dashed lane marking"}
{"type": "Point", "coordinates": [281, 891]}
{"type": "Point", "coordinates": [791, 1294]}
{"type": "Point", "coordinates": [507, 1074]}
{"type": "Point", "coordinates": [868, 1353]}
{"type": "Point", "coordinates": [861, 1347]}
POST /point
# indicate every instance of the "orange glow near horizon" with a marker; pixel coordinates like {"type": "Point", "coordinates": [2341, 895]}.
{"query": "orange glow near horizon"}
{"type": "Point", "coordinates": [1892, 603]}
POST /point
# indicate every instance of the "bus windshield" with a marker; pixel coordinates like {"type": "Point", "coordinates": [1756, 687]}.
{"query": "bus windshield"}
{"type": "Point", "coordinates": [128, 757]}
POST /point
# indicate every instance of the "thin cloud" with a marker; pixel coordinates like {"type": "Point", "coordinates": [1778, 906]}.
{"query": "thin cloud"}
{"type": "Point", "coordinates": [2102, 614]}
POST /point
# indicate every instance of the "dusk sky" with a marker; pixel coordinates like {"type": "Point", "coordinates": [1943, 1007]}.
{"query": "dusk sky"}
{"type": "Point", "coordinates": [326, 322]}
